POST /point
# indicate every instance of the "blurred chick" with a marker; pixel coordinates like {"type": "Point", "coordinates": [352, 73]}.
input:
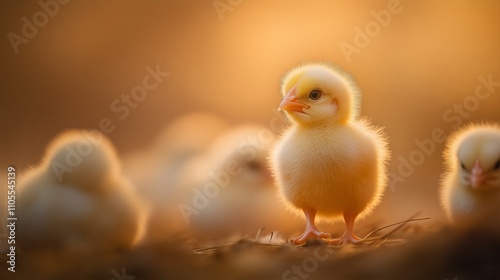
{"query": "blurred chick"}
{"type": "Point", "coordinates": [235, 192]}
{"type": "Point", "coordinates": [155, 170]}
{"type": "Point", "coordinates": [470, 189]}
{"type": "Point", "coordinates": [77, 200]}
{"type": "Point", "coordinates": [329, 162]}
{"type": "Point", "coordinates": [160, 171]}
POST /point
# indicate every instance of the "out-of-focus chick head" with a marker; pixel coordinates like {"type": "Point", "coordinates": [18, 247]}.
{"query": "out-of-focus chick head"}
{"type": "Point", "coordinates": [320, 92]}
{"type": "Point", "coordinates": [242, 153]}
{"type": "Point", "coordinates": [82, 158]}
{"type": "Point", "coordinates": [474, 153]}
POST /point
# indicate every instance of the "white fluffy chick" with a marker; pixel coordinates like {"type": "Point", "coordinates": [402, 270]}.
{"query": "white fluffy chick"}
{"type": "Point", "coordinates": [77, 200]}
{"type": "Point", "coordinates": [470, 189]}
{"type": "Point", "coordinates": [234, 189]}
{"type": "Point", "coordinates": [159, 171]}
{"type": "Point", "coordinates": [329, 162]}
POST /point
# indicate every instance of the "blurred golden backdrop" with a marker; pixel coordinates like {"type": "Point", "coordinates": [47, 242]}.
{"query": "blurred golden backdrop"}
{"type": "Point", "coordinates": [412, 71]}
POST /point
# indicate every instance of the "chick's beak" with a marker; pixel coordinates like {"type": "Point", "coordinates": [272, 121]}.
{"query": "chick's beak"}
{"type": "Point", "coordinates": [290, 103]}
{"type": "Point", "coordinates": [477, 177]}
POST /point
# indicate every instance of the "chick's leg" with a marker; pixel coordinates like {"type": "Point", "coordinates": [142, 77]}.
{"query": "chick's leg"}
{"type": "Point", "coordinates": [311, 230]}
{"type": "Point", "coordinates": [348, 236]}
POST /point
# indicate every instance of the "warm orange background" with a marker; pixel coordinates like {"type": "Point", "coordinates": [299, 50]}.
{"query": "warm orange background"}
{"type": "Point", "coordinates": [416, 68]}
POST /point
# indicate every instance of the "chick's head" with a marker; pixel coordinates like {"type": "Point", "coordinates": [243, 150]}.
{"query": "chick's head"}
{"type": "Point", "coordinates": [241, 153]}
{"type": "Point", "coordinates": [82, 158]}
{"type": "Point", "coordinates": [320, 93]}
{"type": "Point", "coordinates": [475, 155]}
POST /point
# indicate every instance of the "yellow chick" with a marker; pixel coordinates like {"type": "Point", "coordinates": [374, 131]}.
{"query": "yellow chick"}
{"type": "Point", "coordinates": [330, 162]}
{"type": "Point", "coordinates": [77, 200]}
{"type": "Point", "coordinates": [470, 188]}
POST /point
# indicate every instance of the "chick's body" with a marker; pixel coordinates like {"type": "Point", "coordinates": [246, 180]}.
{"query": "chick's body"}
{"type": "Point", "coordinates": [332, 169]}
{"type": "Point", "coordinates": [245, 196]}
{"type": "Point", "coordinates": [329, 162]}
{"type": "Point", "coordinates": [160, 172]}
{"type": "Point", "coordinates": [77, 200]}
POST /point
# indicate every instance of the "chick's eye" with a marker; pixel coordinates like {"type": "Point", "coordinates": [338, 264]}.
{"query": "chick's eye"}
{"type": "Point", "coordinates": [463, 166]}
{"type": "Point", "coordinates": [255, 166]}
{"type": "Point", "coordinates": [497, 165]}
{"type": "Point", "coordinates": [315, 94]}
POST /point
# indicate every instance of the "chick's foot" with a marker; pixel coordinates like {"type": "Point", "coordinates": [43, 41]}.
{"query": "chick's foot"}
{"type": "Point", "coordinates": [345, 239]}
{"type": "Point", "coordinates": [310, 233]}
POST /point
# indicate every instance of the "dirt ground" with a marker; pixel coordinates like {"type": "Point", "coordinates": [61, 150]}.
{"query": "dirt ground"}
{"type": "Point", "coordinates": [416, 249]}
